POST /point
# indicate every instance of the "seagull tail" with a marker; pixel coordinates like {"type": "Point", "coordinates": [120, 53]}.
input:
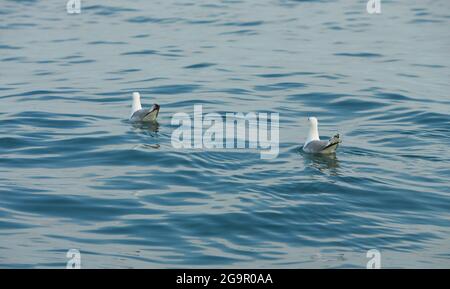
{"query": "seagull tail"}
{"type": "Point", "coordinates": [334, 141]}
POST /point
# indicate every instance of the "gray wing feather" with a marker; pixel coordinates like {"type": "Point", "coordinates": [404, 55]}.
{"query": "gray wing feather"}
{"type": "Point", "coordinates": [315, 146]}
{"type": "Point", "coordinates": [143, 115]}
{"type": "Point", "coordinates": [322, 146]}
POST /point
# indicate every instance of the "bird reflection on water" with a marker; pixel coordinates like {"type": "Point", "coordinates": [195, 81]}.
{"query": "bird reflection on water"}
{"type": "Point", "coordinates": [323, 162]}
{"type": "Point", "coordinates": [151, 127]}
{"type": "Point", "coordinates": [147, 128]}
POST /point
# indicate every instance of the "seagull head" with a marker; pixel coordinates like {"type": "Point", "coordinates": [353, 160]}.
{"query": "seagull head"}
{"type": "Point", "coordinates": [312, 120]}
{"type": "Point", "coordinates": [136, 96]}
{"type": "Point", "coordinates": [136, 105]}
{"type": "Point", "coordinates": [313, 133]}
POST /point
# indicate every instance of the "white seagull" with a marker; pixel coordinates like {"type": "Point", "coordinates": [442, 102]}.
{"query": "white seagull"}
{"type": "Point", "coordinates": [313, 143]}
{"type": "Point", "coordinates": [139, 114]}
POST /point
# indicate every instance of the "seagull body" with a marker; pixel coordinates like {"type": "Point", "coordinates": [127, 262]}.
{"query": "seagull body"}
{"type": "Point", "coordinates": [139, 114]}
{"type": "Point", "coordinates": [313, 143]}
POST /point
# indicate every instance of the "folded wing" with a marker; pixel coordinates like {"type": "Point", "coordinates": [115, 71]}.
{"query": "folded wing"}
{"type": "Point", "coordinates": [323, 146]}
{"type": "Point", "coordinates": [144, 115]}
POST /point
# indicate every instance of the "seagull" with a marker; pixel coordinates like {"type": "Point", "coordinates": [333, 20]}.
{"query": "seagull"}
{"type": "Point", "coordinates": [313, 143]}
{"type": "Point", "coordinates": [139, 114]}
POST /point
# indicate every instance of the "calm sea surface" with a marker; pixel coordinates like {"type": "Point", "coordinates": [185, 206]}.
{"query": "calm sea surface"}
{"type": "Point", "coordinates": [74, 173]}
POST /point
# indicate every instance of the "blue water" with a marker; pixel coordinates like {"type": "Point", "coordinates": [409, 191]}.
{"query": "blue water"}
{"type": "Point", "coordinates": [74, 173]}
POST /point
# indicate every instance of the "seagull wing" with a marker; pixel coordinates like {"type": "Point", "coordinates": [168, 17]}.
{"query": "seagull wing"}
{"type": "Point", "coordinates": [144, 115]}
{"type": "Point", "coordinates": [322, 146]}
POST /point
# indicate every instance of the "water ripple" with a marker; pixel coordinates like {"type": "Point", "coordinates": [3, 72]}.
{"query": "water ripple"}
{"type": "Point", "coordinates": [75, 173]}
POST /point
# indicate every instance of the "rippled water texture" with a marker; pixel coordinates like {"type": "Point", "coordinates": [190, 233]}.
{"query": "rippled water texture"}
{"type": "Point", "coordinates": [75, 174]}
